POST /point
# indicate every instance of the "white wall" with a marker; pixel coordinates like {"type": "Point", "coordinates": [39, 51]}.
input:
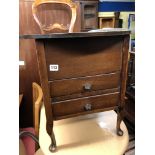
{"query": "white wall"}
{"type": "Point", "coordinates": [125, 16]}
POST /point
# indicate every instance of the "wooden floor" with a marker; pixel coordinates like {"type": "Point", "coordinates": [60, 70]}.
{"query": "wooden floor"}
{"type": "Point", "coordinates": [131, 147]}
{"type": "Point", "coordinates": [103, 141]}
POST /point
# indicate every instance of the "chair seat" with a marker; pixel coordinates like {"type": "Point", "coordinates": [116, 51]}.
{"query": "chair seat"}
{"type": "Point", "coordinates": [28, 142]}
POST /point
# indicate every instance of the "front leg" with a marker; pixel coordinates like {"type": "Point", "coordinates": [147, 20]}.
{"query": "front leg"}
{"type": "Point", "coordinates": [119, 120]}
{"type": "Point", "coordinates": [53, 146]}
{"type": "Point", "coordinates": [49, 128]}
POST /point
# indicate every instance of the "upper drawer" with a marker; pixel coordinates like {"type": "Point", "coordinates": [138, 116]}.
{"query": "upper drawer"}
{"type": "Point", "coordinates": [84, 85]}
{"type": "Point", "coordinates": [88, 58]}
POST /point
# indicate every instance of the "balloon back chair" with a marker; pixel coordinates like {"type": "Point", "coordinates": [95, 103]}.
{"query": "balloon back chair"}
{"type": "Point", "coordinates": [54, 16]}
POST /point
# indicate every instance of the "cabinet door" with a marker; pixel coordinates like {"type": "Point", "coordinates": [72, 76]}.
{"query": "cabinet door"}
{"type": "Point", "coordinates": [89, 15]}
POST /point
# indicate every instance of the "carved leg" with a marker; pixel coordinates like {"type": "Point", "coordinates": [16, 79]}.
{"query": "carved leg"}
{"type": "Point", "coordinates": [49, 128]}
{"type": "Point", "coordinates": [119, 119]}
{"type": "Point", "coordinates": [53, 146]}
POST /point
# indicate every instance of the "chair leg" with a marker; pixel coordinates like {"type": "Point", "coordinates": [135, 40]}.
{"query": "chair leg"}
{"type": "Point", "coordinates": [52, 147]}
{"type": "Point", "coordinates": [119, 120]}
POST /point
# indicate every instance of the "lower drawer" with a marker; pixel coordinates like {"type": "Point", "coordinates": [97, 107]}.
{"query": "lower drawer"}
{"type": "Point", "coordinates": [87, 104]}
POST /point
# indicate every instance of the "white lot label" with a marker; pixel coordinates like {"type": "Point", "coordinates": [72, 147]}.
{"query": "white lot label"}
{"type": "Point", "coordinates": [54, 67]}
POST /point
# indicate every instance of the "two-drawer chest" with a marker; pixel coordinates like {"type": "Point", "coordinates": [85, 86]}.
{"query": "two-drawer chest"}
{"type": "Point", "coordinates": [82, 73]}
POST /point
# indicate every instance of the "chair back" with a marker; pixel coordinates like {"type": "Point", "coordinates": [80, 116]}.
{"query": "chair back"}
{"type": "Point", "coordinates": [37, 101]}
{"type": "Point", "coordinates": [52, 15]}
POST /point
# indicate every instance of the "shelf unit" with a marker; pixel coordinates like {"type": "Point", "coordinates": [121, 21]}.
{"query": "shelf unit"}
{"type": "Point", "coordinates": [89, 15]}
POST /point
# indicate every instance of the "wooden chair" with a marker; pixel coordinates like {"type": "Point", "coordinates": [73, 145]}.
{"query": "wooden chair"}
{"type": "Point", "coordinates": [49, 23]}
{"type": "Point", "coordinates": [32, 134]}
{"type": "Point", "coordinates": [37, 102]}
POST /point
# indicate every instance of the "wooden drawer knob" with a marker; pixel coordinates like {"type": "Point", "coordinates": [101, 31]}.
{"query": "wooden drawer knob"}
{"type": "Point", "coordinates": [87, 87]}
{"type": "Point", "coordinates": [88, 107]}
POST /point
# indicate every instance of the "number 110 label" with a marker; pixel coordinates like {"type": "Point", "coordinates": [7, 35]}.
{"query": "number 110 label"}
{"type": "Point", "coordinates": [54, 67]}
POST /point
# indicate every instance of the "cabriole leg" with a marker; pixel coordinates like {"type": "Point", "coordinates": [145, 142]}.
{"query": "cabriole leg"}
{"type": "Point", "coordinates": [119, 120]}
{"type": "Point", "coordinates": [49, 128]}
{"type": "Point", "coordinates": [52, 147]}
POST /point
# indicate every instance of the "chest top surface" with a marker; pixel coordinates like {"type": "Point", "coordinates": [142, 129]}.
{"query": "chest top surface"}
{"type": "Point", "coordinates": [92, 33]}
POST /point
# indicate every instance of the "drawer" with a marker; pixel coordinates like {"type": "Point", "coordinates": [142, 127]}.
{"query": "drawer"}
{"type": "Point", "coordinates": [83, 86]}
{"type": "Point", "coordinates": [85, 105]}
{"type": "Point", "coordinates": [88, 58]}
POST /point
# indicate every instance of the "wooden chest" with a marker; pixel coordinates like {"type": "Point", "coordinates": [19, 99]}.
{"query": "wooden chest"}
{"type": "Point", "coordinates": [82, 73]}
